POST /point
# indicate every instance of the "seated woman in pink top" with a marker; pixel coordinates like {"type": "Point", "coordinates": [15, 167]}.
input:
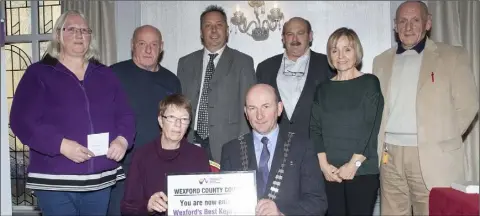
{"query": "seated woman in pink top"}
{"type": "Point", "coordinates": [145, 187]}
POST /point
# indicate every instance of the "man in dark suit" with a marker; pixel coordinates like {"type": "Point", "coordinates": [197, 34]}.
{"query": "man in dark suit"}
{"type": "Point", "coordinates": [289, 180]}
{"type": "Point", "coordinates": [216, 79]}
{"type": "Point", "coordinates": [295, 74]}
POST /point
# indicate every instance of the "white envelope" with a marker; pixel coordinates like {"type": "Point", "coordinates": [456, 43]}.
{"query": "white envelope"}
{"type": "Point", "coordinates": [98, 143]}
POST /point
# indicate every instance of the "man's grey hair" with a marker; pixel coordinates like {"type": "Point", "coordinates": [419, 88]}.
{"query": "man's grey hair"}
{"type": "Point", "coordinates": [54, 48]}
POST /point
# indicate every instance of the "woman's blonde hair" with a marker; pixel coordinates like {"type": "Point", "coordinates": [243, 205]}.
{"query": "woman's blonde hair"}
{"type": "Point", "coordinates": [54, 48]}
{"type": "Point", "coordinates": [352, 38]}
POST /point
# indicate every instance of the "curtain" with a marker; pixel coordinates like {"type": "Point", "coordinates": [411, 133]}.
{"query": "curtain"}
{"type": "Point", "coordinates": [456, 23]}
{"type": "Point", "coordinates": [101, 18]}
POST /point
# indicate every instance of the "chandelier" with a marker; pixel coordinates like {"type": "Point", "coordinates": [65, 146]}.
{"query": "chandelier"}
{"type": "Point", "coordinates": [261, 28]}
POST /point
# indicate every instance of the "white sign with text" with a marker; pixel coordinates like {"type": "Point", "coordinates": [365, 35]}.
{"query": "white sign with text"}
{"type": "Point", "coordinates": [229, 193]}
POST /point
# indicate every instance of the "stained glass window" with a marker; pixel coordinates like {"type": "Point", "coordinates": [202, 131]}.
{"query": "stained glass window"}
{"type": "Point", "coordinates": [18, 58]}
{"type": "Point", "coordinates": [48, 12]}
{"type": "Point", "coordinates": [19, 20]}
{"type": "Point", "coordinates": [43, 48]}
{"type": "Point", "coordinates": [22, 48]}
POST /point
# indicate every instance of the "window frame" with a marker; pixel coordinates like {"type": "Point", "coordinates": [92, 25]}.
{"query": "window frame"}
{"type": "Point", "coordinates": [35, 38]}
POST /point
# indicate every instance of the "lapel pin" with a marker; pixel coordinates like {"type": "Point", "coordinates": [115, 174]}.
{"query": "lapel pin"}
{"type": "Point", "coordinates": [433, 77]}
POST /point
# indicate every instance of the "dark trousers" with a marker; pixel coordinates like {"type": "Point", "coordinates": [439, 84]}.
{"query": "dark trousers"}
{"type": "Point", "coordinates": [204, 143]}
{"type": "Point", "coordinates": [94, 203]}
{"type": "Point", "coordinates": [352, 197]}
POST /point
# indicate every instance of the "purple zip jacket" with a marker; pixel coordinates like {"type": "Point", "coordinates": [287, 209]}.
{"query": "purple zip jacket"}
{"type": "Point", "coordinates": [51, 103]}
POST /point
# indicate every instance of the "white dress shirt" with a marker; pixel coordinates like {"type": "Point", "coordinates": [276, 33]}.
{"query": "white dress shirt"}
{"type": "Point", "coordinates": [206, 58]}
{"type": "Point", "coordinates": [272, 144]}
{"type": "Point", "coordinates": [289, 86]}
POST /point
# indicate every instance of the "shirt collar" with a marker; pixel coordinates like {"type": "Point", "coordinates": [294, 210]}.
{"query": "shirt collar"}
{"type": "Point", "coordinates": [304, 57]}
{"type": "Point", "coordinates": [219, 52]}
{"type": "Point", "coordinates": [419, 47]}
{"type": "Point", "coordinates": [271, 136]}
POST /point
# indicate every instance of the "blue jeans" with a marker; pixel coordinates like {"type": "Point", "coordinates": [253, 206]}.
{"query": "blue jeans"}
{"type": "Point", "coordinates": [73, 203]}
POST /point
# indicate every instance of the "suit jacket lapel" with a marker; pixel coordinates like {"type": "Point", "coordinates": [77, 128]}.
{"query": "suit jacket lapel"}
{"type": "Point", "coordinates": [310, 82]}
{"type": "Point", "coordinates": [429, 63]}
{"type": "Point", "coordinates": [385, 75]}
{"type": "Point", "coordinates": [197, 78]}
{"type": "Point", "coordinates": [252, 160]}
{"type": "Point", "coordinates": [277, 63]}
{"type": "Point", "coordinates": [223, 67]}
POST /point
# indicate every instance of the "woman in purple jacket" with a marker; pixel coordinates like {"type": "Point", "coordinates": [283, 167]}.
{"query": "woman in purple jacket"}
{"type": "Point", "coordinates": [71, 112]}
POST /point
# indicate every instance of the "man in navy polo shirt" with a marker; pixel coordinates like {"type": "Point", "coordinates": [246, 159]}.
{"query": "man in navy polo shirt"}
{"type": "Point", "coordinates": [146, 83]}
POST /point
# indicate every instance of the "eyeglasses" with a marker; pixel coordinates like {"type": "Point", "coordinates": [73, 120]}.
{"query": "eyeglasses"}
{"type": "Point", "coordinates": [173, 119]}
{"type": "Point", "coordinates": [294, 73]}
{"type": "Point", "coordinates": [72, 30]}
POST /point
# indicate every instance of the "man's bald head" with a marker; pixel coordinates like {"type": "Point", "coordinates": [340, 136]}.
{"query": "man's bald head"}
{"type": "Point", "coordinates": [147, 45]}
{"type": "Point", "coordinates": [262, 89]}
{"type": "Point", "coordinates": [146, 28]}
{"type": "Point", "coordinates": [262, 108]}
{"type": "Point", "coordinates": [406, 4]}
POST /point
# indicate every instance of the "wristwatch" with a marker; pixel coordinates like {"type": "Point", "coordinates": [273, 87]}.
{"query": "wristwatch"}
{"type": "Point", "coordinates": [358, 163]}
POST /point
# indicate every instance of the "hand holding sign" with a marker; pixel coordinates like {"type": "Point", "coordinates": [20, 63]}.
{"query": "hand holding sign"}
{"type": "Point", "coordinates": [267, 207]}
{"type": "Point", "coordinates": [158, 202]}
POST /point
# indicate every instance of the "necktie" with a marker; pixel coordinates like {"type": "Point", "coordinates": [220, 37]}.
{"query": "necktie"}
{"type": "Point", "coordinates": [263, 165]}
{"type": "Point", "coordinates": [202, 121]}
